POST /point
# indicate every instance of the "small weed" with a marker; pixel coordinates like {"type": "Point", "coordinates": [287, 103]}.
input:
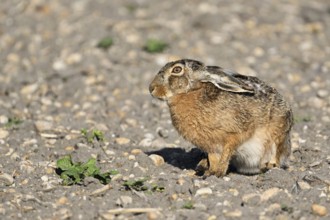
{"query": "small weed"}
{"type": "Point", "coordinates": [13, 122]}
{"type": "Point", "coordinates": [299, 118]}
{"type": "Point", "coordinates": [92, 135]}
{"type": "Point", "coordinates": [74, 173]}
{"type": "Point", "coordinates": [141, 185]}
{"type": "Point", "coordinates": [138, 185]}
{"type": "Point", "coordinates": [155, 46]}
{"type": "Point", "coordinates": [188, 205]}
{"type": "Point", "coordinates": [286, 208]}
{"type": "Point", "coordinates": [105, 43]}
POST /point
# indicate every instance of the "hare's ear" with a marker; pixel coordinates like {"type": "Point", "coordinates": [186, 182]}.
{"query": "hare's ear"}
{"type": "Point", "coordinates": [226, 80]}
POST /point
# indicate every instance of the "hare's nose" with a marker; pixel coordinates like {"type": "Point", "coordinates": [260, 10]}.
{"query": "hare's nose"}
{"type": "Point", "coordinates": [151, 88]}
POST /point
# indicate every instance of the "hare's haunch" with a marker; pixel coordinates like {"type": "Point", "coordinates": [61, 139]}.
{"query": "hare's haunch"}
{"type": "Point", "coordinates": [234, 118]}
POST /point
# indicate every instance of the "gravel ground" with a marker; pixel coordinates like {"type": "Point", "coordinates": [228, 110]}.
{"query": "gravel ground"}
{"type": "Point", "coordinates": [55, 81]}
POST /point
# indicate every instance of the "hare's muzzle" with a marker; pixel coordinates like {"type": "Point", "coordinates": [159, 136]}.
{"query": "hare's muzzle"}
{"type": "Point", "coordinates": [157, 89]}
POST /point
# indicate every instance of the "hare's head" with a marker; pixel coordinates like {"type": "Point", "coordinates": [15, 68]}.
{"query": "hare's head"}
{"type": "Point", "coordinates": [186, 75]}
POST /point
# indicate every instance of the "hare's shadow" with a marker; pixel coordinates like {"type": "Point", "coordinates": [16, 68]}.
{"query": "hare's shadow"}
{"type": "Point", "coordinates": [179, 157]}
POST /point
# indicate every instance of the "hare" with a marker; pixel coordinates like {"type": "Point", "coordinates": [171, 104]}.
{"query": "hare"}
{"type": "Point", "coordinates": [236, 119]}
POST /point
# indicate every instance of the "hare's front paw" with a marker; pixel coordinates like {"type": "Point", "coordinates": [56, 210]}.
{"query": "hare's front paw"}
{"type": "Point", "coordinates": [202, 167]}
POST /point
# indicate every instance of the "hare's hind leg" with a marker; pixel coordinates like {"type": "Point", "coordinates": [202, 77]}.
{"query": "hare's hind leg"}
{"type": "Point", "coordinates": [283, 150]}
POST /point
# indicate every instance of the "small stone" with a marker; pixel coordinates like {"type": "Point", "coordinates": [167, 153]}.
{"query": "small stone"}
{"type": "Point", "coordinates": [234, 192]}
{"type": "Point", "coordinates": [174, 197]}
{"type": "Point", "coordinates": [131, 157]}
{"type": "Point", "coordinates": [203, 191]}
{"type": "Point", "coordinates": [258, 52]}
{"type": "Point", "coordinates": [146, 142]}
{"type": "Point", "coordinates": [26, 166]}
{"type": "Point", "coordinates": [303, 185]}
{"type": "Point", "coordinates": [73, 58]}
{"type": "Point", "coordinates": [319, 210]}
{"type": "Point", "coordinates": [233, 214]}
{"type": "Point", "coordinates": [3, 133]}
{"type": "Point", "coordinates": [3, 119]}
{"type": "Point", "coordinates": [158, 160]}
{"type": "Point", "coordinates": [251, 198]}
{"type": "Point", "coordinates": [62, 201]}
{"type": "Point", "coordinates": [43, 125]}
{"type": "Point", "coordinates": [124, 201]}
{"type": "Point", "coordinates": [152, 215]}
{"type": "Point", "coordinates": [59, 65]}
{"type": "Point", "coordinates": [180, 181]}
{"type": "Point", "coordinates": [6, 179]}
{"type": "Point", "coordinates": [226, 178]}
{"type": "Point", "coordinates": [122, 140]}
{"type": "Point", "coordinates": [29, 89]}
{"type": "Point", "coordinates": [136, 151]}
{"type": "Point", "coordinates": [269, 193]}
{"type": "Point", "coordinates": [322, 93]}
{"type": "Point", "coordinates": [273, 208]}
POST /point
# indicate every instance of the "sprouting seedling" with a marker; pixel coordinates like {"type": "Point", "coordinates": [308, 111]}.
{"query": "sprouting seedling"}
{"type": "Point", "coordinates": [188, 205]}
{"type": "Point", "coordinates": [92, 135]}
{"type": "Point", "coordinates": [74, 173]}
{"type": "Point", "coordinates": [142, 185]}
{"type": "Point", "coordinates": [105, 43]}
{"type": "Point", "coordinates": [155, 46]}
{"type": "Point", "coordinates": [12, 122]}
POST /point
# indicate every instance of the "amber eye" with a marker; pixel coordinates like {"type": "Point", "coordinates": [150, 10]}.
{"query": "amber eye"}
{"type": "Point", "coordinates": [177, 69]}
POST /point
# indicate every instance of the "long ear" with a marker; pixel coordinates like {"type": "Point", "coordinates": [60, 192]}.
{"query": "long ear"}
{"type": "Point", "coordinates": [226, 80]}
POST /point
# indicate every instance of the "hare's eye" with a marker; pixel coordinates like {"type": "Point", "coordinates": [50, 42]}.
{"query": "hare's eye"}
{"type": "Point", "coordinates": [177, 69]}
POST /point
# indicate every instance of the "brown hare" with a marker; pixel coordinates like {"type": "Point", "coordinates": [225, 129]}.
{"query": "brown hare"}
{"type": "Point", "coordinates": [235, 119]}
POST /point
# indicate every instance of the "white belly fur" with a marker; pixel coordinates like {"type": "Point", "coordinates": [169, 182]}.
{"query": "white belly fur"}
{"type": "Point", "coordinates": [251, 154]}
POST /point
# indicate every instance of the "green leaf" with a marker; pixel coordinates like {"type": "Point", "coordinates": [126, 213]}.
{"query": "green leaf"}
{"type": "Point", "coordinates": [12, 122]}
{"type": "Point", "coordinates": [155, 46]}
{"type": "Point", "coordinates": [64, 163]}
{"type": "Point", "coordinates": [105, 43]}
{"type": "Point", "coordinates": [188, 205]}
{"type": "Point", "coordinates": [137, 185]}
{"type": "Point", "coordinates": [90, 168]}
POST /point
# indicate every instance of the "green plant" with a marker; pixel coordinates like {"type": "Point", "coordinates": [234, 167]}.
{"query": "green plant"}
{"type": "Point", "coordinates": [74, 173]}
{"type": "Point", "coordinates": [105, 43]}
{"type": "Point", "coordinates": [12, 122]}
{"type": "Point", "coordinates": [142, 185]}
{"type": "Point", "coordinates": [188, 205]}
{"type": "Point", "coordinates": [286, 208]}
{"type": "Point", "coordinates": [138, 185]}
{"type": "Point", "coordinates": [155, 46]}
{"type": "Point", "coordinates": [300, 118]}
{"type": "Point", "coordinates": [92, 135]}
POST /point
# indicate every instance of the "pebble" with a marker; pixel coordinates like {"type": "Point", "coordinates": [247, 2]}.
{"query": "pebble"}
{"type": "Point", "coordinates": [29, 89]}
{"type": "Point", "coordinates": [62, 201]}
{"type": "Point", "coordinates": [136, 151]}
{"type": "Point", "coordinates": [131, 157]}
{"type": "Point", "coordinates": [319, 210]}
{"type": "Point", "coordinates": [146, 142]}
{"type": "Point", "coordinates": [158, 160]}
{"type": "Point", "coordinates": [3, 133]}
{"type": "Point", "coordinates": [3, 119]}
{"type": "Point", "coordinates": [124, 201]}
{"type": "Point", "coordinates": [26, 166]}
{"type": "Point", "coordinates": [251, 198]}
{"type": "Point", "coordinates": [203, 191]}
{"type": "Point", "coordinates": [43, 126]}
{"type": "Point", "coordinates": [303, 185]}
{"type": "Point", "coordinates": [6, 178]}
{"type": "Point", "coordinates": [266, 195]}
{"type": "Point", "coordinates": [122, 140]}
{"type": "Point", "coordinates": [233, 214]}
{"type": "Point", "coordinates": [322, 93]}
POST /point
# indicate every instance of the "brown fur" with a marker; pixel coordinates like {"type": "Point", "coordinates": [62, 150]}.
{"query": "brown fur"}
{"type": "Point", "coordinates": [219, 121]}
